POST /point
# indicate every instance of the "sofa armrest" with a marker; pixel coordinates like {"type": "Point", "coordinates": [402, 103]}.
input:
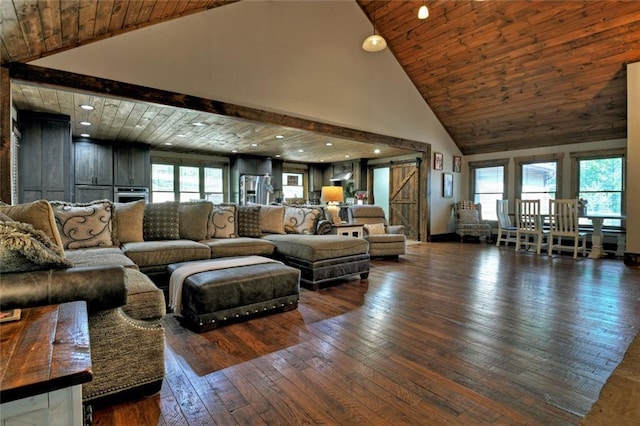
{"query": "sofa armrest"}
{"type": "Point", "coordinates": [101, 287]}
{"type": "Point", "coordinates": [395, 229]}
{"type": "Point", "coordinates": [324, 227]}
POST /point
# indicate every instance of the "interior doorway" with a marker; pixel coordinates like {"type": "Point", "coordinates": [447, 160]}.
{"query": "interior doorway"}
{"type": "Point", "coordinates": [381, 188]}
{"type": "Point", "coordinates": [404, 198]}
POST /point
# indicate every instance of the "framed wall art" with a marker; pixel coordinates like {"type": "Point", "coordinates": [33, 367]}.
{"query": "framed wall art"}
{"type": "Point", "coordinates": [437, 160]}
{"type": "Point", "coordinates": [447, 185]}
{"type": "Point", "coordinates": [457, 164]}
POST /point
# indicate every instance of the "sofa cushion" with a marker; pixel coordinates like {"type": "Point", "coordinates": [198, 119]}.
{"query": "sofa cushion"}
{"type": "Point", "coordinates": [24, 248]}
{"type": "Point", "coordinates": [161, 221]}
{"type": "Point", "coordinates": [128, 219]}
{"type": "Point", "coordinates": [158, 253]}
{"type": "Point", "coordinates": [38, 214]}
{"type": "Point", "coordinates": [194, 220]}
{"type": "Point", "coordinates": [318, 247]}
{"type": "Point", "coordinates": [301, 220]}
{"type": "Point", "coordinates": [107, 256]}
{"type": "Point", "coordinates": [83, 225]}
{"type": "Point", "coordinates": [249, 221]}
{"type": "Point", "coordinates": [272, 219]}
{"type": "Point", "coordinates": [242, 246]}
{"type": "Point", "coordinates": [222, 221]}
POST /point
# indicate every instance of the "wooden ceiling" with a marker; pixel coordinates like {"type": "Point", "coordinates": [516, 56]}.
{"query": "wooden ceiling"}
{"type": "Point", "coordinates": [500, 75]}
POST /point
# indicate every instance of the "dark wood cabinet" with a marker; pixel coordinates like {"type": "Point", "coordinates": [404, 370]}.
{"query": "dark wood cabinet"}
{"type": "Point", "coordinates": [93, 163]}
{"type": "Point", "coordinates": [87, 193]}
{"type": "Point", "coordinates": [276, 174]}
{"type": "Point", "coordinates": [132, 166]}
{"type": "Point", "coordinates": [44, 157]}
{"type": "Point", "coordinates": [316, 177]}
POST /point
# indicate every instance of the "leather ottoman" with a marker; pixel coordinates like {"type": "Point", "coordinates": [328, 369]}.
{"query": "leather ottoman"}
{"type": "Point", "coordinates": [212, 298]}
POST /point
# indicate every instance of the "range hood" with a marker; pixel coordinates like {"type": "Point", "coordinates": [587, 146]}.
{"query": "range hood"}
{"type": "Point", "coordinates": [341, 176]}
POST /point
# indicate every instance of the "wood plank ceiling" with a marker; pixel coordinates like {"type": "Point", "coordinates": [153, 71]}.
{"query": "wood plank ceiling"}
{"type": "Point", "coordinates": [500, 75]}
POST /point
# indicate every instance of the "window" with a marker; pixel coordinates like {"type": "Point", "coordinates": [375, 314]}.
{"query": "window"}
{"type": "Point", "coordinates": [488, 183]}
{"type": "Point", "coordinates": [601, 184]}
{"type": "Point", "coordinates": [187, 182]}
{"type": "Point", "coordinates": [538, 179]}
{"type": "Point", "coordinates": [293, 186]}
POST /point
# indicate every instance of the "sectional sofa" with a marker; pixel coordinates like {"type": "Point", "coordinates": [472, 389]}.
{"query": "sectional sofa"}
{"type": "Point", "coordinates": [115, 256]}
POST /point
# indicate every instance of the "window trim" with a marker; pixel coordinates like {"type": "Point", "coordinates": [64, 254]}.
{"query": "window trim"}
{"type": "Point", "coordinates": [201, 164]}
{"type": "Point", "coordinates": [533, 159]}
{"type": "Point", "coordinates": [500, 162]}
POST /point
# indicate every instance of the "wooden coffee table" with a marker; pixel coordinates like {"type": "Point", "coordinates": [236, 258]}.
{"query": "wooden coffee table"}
{"type": "Point", "coordinates": [44, 359]}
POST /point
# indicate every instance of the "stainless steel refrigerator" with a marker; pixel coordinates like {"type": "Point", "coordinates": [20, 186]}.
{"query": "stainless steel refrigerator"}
{"type": "Point", "coordinates": [255, 189]}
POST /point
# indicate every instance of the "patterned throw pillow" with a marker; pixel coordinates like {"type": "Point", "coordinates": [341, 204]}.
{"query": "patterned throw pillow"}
{"type": "Point", "coordinates": [249, 221]}
{"type": "Point", "coordinates": [301, 220]}
{"type": "Point", "coordinates": [24, 248]}
{"type": "Point", "coordinates": [84, 225]}
{"type": "Point", "coordinates": [468, 216]}
{"type": "Point", "coordinates": [161, 221]}
{"type": "Point", "coordinates": [222, 221]}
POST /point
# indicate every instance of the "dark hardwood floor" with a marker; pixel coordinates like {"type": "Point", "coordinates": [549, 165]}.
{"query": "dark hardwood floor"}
{"type": "Point", "coordinates": [450, 334]}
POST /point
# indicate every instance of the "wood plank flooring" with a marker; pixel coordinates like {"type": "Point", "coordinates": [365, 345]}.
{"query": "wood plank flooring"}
{"type": "Point", "coordinates": [450, 334]}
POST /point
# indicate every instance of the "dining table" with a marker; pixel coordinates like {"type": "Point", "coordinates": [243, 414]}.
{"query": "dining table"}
{"type": "Point", "coordinates": [597, 237]}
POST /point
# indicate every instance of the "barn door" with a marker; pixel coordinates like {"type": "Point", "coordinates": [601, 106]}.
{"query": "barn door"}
{"type": "Point", "coordinates": [404, 198]}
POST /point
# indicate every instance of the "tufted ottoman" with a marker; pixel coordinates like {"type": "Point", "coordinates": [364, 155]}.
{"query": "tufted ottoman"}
{"type": "Point", "coordinates": [322, 258]}
{"type": "Point", "coordinates": [213, 297]}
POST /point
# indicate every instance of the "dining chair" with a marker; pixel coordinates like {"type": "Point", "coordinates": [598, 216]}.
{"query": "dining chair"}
{"type": "Point", "coordinates": [529, 224]}
{"type": "Point", "coordinates": [506, 229]}
{"type": "Point", "coordinates": [563, 222]}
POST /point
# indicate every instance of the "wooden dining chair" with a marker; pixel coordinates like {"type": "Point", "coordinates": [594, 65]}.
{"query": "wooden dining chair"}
{"type": "Point", "coordinates": [506, 229]}
{"type": "Point", "coordinates": [529, 224]}
{"type": "Point", "coordinates": [563, 222]}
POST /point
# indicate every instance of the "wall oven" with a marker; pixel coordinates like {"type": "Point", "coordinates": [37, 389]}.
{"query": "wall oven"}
{"type": "Point", "coordinates": [128, 193]}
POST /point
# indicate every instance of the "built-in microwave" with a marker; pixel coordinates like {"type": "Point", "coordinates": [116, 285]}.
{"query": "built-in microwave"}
{"type": "Point", "coordinates": [127, 194]}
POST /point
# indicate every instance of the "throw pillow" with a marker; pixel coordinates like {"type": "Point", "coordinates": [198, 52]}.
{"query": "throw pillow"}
{"type": "Point", "coordinates": [468, 216]}
{"type": "Point", "coordinates": [249, 221]}
{"type": "Point", "coordinates": [128, 222]}
{"type": "Point", "coordinates": [39, 214]}
{"type": "Point", "coordinates": [272, 219]}
{"type": "Point", "coordinates": [161, 221]}
{"type": "Point", "coordinates": [24, 248]}
{"type": "Point", "coordinates": [194, 220]}
{"type": "Point", "coordinates": [374, 229]}
{"type": "Point", "coordinates": [222, 221]}
{"type": "Point", "coordinates": [5, 218]}
{"type": "Point", "coordinates": [84, 225]}
{"type": "Point", "coordinates": [301, 220]}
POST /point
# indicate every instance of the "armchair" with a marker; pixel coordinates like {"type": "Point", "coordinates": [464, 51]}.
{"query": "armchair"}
{"type": "Point", "coordinates": [384, 239]}
{"type": "Point", "coordinates": [468, 216]}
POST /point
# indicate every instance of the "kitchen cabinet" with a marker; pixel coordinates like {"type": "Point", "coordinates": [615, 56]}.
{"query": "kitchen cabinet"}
{"type": "Point", "coordinates": [45, 161]}
{"type": "Point", "coordinates": [132, 166]}
{"type": "Point", "coordinates": [87, 193]}
{"type": "Point", "coordinates": [316, 177]}
{"type": "Point", "coordinates": [276, 174]}
{"type": "Point", "coordinates": [93, 163]}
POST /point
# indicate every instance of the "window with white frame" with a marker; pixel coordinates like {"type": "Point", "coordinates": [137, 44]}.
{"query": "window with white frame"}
{"type": "Point", "coordinates": [538, 179]}
{"type": "Point", "coordinates": [600, 183]}
{"type": "Point", "coordinates": [293, 186]}
{"type": "Point", "coordinates": [488, 184]}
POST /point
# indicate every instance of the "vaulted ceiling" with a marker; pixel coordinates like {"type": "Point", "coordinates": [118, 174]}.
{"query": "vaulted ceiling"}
{"type": "Point", "coordinates": [500, 75]}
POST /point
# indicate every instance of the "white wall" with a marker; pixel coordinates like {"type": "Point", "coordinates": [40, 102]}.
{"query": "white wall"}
{"type": "Point", "coordinates": [301, 58]}
{"type": "Point", "coordinates": [633, 158]}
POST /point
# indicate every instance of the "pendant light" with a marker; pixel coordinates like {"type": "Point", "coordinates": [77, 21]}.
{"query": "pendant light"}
{"type": "Point", "coordinates": [423, 12]}
{"type": "Point", "coordinates": [375, 42]}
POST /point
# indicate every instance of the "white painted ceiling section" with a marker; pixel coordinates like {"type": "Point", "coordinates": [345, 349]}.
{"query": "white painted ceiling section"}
{"type": "Point", "coordinates": [302, 58]}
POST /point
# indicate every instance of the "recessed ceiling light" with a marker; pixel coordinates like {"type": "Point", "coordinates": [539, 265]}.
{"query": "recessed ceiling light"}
{"type": "Point", "coordinates": [377, 151]}
{"type": "Point", "coordinates": [328, 144]}
{"type": "Point", "coordinates": [278, 156]}
{"type": "Point", "coordinates": [347, 156]}
{"type": "Point", "coordinates": [138, 126]}
{"type": "Point", "coordinates": [234, 150]}
{"type": "Point", "coordinates": [182, 136]}
{"type": "Point", "coordinates": [198, 123]}
{"type": "Point", "coordinates": [85, 123]}
{"type": "Point", "coordinates": [85, 135]}
{"type": "Point", "coordinates": [168, 143]}
{"type": "Point", "coordinates": [279, 137]}
{"type": "Point", "coordinates": [301, 150]}
{"type": "Point", "coordinates": [254, 144]}
{"type": "Point", "coordinates": [87, 107]}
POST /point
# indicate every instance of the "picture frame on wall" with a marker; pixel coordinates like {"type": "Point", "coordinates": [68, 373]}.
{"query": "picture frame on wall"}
{"type": "Point", "coordinates": [457, 164]}
{"type": "Point", "coordinates": [438, 159]}
{"type": "Point", "coordinates": [447, 185]}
